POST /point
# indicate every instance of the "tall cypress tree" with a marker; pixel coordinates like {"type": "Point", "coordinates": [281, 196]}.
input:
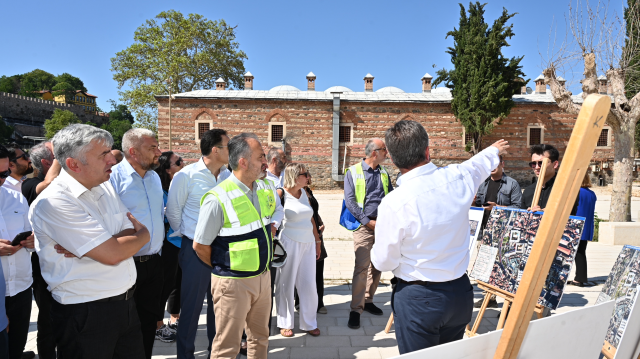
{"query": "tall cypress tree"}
{"type": "Point", "coordinates": [482, 80]}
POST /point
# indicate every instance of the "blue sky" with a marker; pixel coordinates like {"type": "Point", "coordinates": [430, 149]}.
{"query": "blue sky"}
{"type": "Point", "coordinates": [340, 41]}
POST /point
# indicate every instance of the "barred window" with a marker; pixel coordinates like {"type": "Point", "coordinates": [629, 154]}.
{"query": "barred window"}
{"type": "Point", "coordinates": [468, 138]}
{"type": "Point", "coordinates": [603, 140]}
{"type": "Point", "coordinates": [202, 128]}
{"type": "Point", "coordinates": [345, 134]}
{"type": "Point", "coordinates": [535, 136]}
{"type": "Point", "coordinates": [277, 132]}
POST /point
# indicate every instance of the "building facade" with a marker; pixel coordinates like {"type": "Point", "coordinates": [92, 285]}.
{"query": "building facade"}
{"type": "Point", "coordinates": [84, 99]}
{"type": "Point", "coordinates": [327, 130]}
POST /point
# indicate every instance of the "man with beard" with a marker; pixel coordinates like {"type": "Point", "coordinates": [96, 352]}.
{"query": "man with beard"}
{"type": "Point", "coordinates": [139, 187]}
{"type": "Point", "coordinates": [277, 160]}
{"type": "Point", "coordinates": [234, 237]}
{"type": "Point", "coordinates": [20, 166]}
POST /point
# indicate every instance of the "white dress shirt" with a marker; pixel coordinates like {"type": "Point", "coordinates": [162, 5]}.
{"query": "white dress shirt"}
{"type": "Point", "coordinates": [422, 230]}
{"type": "Point", "coordinates": [78, 219]}
{"type": "Point", "coordinates": [14, 184]}
{"type": "Point", "coordinates": [14, 219]}
{"type": "Point", "coordinates": [186, 189]}
{"type": "Point", "coordinates": [277, 181]}
{"type": "Point", "coordinates": [143, 197]}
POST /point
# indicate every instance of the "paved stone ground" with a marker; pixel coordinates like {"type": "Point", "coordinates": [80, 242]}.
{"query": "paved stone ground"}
{"type": "Point", "coordinates": [370, 341]}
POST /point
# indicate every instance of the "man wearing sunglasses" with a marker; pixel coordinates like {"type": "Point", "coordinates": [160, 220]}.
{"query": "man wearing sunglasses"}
{"type": "Point", "coordinates": [538, 154]}
{"type": "Point", "coordinates": [20, 166]}
{"type": "Point", "coordinates": [365, 185]}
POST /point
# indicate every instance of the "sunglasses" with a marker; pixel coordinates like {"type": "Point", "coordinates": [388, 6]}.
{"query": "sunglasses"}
{"type": "Point", "coordinates": [534, 164]}
{"type": "Point", "coordinates": [306, 174]}
{"type": "Point", "coordinates": [178, 162]}
{"type": "Point", "coordinates": [24, 155]}
{"type": "Point", "coordinates": [5, 174]}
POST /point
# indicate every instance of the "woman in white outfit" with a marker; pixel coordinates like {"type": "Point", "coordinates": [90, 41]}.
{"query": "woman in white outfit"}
{"type": "Point", "coordinates": [300, 239]}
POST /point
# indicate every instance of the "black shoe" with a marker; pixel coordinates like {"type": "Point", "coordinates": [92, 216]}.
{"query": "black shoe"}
{"type": "Point", "coordinates": [243, 347]}
{"type": "Point", "coordinates": [371, 308]}
{"type": "Point", "coordinates": [354, 320]}
{"type": "Point", "coordinates": [28, 355]}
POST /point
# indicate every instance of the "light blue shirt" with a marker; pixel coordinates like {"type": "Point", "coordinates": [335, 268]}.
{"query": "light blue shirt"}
{"type": "Point", "coordinates": [3, 313]}
{"type": "Point", "coordinates": [186, 189]}
{"type": "Point", "coordinates": [143, 198]}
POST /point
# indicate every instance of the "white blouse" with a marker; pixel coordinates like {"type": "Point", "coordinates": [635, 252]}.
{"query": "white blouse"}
{"type": "Point", "coordinates": [296, 225]}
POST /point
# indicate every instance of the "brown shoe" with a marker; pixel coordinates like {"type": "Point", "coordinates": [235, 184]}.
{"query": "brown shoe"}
{"type": "Point", "coordinates": [314, 333]}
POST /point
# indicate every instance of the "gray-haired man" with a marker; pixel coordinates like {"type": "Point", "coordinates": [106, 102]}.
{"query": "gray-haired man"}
{"type": "Point", "coordinates": [93, 310]}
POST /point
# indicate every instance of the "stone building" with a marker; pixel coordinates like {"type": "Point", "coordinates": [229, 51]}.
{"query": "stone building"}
{"type": "Point", "coordinates": [327, 130]}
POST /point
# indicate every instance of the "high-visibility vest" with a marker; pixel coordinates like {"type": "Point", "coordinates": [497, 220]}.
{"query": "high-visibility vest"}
{"type": "Point", "coordinates": [347, 220]}
{"type": "Point", "coordinates": [243, 247]}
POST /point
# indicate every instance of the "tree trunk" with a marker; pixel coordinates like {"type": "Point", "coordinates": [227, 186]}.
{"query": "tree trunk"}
{"type": "Point", "coordinates": [620, 210]}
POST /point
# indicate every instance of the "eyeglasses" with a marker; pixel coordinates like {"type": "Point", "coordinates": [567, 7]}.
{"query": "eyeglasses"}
{"type": "Point", "coordinates": [306, 174]}
{"type": "Point", "coordinates": [178, 162]}
{"type": "Point", "coordinates": [23, 155]}
{"type": "Point", "coordinates": [381, 149]}
{"type": "Point", "coordinates": [5, 174]}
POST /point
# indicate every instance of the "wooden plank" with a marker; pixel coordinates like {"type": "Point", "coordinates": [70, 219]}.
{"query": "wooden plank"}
{"type": "Point", "coordinates": [389, 324]}
{"type": "Point", "coordinates": [567, 184]}
{"type": "Point", "coordinates": [541, 182]}
{"type": "Point", "coordinates": [503, 314]}
{"type": "Point", "coordinates": [608, 350]}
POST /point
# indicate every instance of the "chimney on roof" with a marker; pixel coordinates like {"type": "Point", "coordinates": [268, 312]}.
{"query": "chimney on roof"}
{"type": "Point", "coordinates": [561, 81]}
{"type": "Point", "coordinates": [220, 84]}
{"type": "Point", "coordinates": [426, 83]}
{"type": "Point", "coordinates": [602, 85]}
{"type": "Point", "coordinates": [311, 81]}
{"type": "Point", "coordinates": [541, 88]}
{"type": "Point", "coordinates": [368, 83]}
{"type": "Point", "coordinates": [248, 81]}
{"type": "Point", "coordinates": [523, 86]}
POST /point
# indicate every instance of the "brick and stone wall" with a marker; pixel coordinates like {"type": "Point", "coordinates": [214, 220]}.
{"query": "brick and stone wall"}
{"type": "Point", "coordinates": [33, 111]}
{"type": "Point", "coordinates": [309, 130]}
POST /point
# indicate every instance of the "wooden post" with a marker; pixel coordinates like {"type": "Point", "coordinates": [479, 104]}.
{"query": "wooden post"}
{"type": "Point", "coordinates": [565, 189]}
{"type": "Point", "coordinates": [541, 182]}
{"type": "Point", "coordinates": [389, 324]}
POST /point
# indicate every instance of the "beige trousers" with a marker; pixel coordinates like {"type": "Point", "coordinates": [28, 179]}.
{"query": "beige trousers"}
{"type": "Point", "coordinates": [241, 303]}
{"type": "Point", "coordinates": [365, 277]}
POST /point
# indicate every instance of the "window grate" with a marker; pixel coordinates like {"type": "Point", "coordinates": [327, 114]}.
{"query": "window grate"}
{"type": "Point", "coordinates": [535, 136]}
{"type": "Point", "coordinates": [603, 140]}
{"type": "Point", "coordinates": [202, 128]}
{"type": "Point", "coordinates": [277, 132]}
{"type": "Point", "coordinates": [345, 134]}
{"type": "Point", "coordinates": [468, 138]}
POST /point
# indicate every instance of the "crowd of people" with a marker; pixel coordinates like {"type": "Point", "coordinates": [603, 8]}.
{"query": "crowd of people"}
{"type": "Point", "coordinates": [107, 240]}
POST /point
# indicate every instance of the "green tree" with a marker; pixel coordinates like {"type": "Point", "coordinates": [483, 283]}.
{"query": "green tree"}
{"type": "Point", "coordinates": [193, 52]}
{"type": "Point", "coordinates": [120, 112]}
{"type": "Point", "coordinates": [117, 128]}
{"type": "Point", "coordinates": [75, 82]}
{"type": "Point", "coordinates": [63, 89]}
{"type": "Point", "coordinates": [34, 81]}
{"type": "Point", "coordinates": [10, 84]}
{"type": "Point", "coordinates": [5, 132]}
{"type": "Point", "coordinates": [59, 120]}
{"type": "Point", "coordinates": [482, 80]}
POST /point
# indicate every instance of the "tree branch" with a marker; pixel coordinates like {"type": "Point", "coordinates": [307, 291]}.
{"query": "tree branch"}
{"type": "Point", "coordinates": [560, 94]}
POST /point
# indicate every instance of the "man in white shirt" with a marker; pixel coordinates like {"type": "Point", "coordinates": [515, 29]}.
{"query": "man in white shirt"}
{"type": "Point", "coordinates": [20, 166]}
{"type": "Point", "coordinates": [277, 160]}
{"type": "Point", "coordinates": [16, 263]}
{"type": "Point", "coordinates": [423, 237]}
{"type": "Point", "coordinates": [139, 188]}
{"type": "Point", "coordinates": [92, 284]}
{"type": "Point", "coordinates": [183, 207]}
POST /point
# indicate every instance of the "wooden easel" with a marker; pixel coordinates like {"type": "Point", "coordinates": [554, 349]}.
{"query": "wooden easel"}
{"type": "Point", "coordinates": [584, 137]}
{"type": "Point", "coordinates": [608, 350]}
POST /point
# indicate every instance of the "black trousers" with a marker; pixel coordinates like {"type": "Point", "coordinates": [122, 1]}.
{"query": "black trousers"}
{"type": "Point", "coordinates": [98, 330]}
{"type": "Point", "coordinates": [319, 285]}
{"type": "Point", "coordinates": [172, 280]}
{"type": "Point", "coordinates": [581, 263]}
{"type": "Point", "coordinates": [430, 314]}
{"type": "Point", "coordinates": [45, 340]}
{"type": "Point", "coordinates": [18, 311]}
{"type": "Point", "coordinates": [273, 288]}
{"type": "Point", "coordinates": [4, 344]}
{"type": "Point", "coordinates": [148, 290]}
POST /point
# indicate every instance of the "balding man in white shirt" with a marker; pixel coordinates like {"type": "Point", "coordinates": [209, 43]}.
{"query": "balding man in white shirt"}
{"type": "Point", "coordinates": [93, 312]}
{"type": "Point", "coordinates": [423, 237]}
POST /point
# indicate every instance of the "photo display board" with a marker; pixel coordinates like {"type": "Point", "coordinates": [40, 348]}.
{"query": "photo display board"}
{"type": "Point", "coordinates": [505, 247]}
{"type": "Point", "coordinates": [622, 286]}
{"type": "Point", "coordinates": [475, 223]}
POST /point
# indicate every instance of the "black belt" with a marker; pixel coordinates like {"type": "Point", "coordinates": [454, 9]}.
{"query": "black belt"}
{"type": "Point", "coordinates": [142, 259]}
{"type": "Point", "coordinates": [124, 296]}
{"type": "Point", "coordinates": [419, 282]}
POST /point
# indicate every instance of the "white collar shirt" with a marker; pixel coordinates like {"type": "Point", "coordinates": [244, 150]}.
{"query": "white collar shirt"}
{"type": "Point", "coordinates": [422, 229]}
{"type": "Point", "coordinates": [144, 199]}
{"type": "Point", "coordinates": [186, 189]}
{"type": "Point", "coordinates": [79, 219]}
{"type": "Point", "coordinates": [14, 219]}
{"type": "Point", "coordinates": [14, 184]}
{"type": "Point", "coordinates": [277, 181]}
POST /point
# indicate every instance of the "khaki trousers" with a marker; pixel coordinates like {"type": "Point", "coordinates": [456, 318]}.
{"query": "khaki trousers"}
{"type": "Point", "coordinates": [241, 303]}
{"type": "Point", "coordinates": [365, 277]}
